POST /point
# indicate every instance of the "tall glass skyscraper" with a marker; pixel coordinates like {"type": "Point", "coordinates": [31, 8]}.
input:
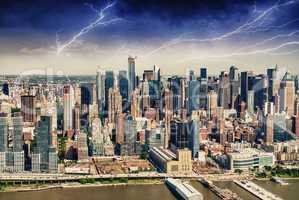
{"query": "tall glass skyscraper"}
{"type": "Point", "coordinates": [131, 74]}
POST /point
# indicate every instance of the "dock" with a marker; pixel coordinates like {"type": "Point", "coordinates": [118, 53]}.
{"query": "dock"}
{"type": "Point", "coordinates": [257, 190]}
{"type": "Point", "coordinates": [183, 190]}
{"type": "Point", "coordinates": [224, 194]}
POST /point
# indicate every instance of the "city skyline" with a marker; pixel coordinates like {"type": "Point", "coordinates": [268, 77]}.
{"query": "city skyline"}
{"type": "Point", "coordinates": [172, 35]}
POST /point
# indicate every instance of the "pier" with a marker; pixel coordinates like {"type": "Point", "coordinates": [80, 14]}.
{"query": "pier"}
{"type": "Point", "coordinates": [224, 194]}
{"type": "Point", "coordinates": [257, 191]}
{"type": "Point", "coordinates": [183, 190]}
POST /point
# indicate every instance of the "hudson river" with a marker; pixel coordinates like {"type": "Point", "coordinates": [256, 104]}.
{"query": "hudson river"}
{"type": "Point", "coordinates": [147, 192]}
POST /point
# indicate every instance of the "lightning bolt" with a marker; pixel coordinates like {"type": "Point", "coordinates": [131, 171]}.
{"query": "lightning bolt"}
{"type": "Point", "coordinates": [269, 40]}
{"type": "Point", "coordinates": [99, 21]}
{"type": "Point", "coordinates": [249, 26]}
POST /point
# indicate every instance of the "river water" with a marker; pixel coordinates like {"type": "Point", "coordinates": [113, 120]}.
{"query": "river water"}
{"type": "Point", "coordinates": [147, 192]}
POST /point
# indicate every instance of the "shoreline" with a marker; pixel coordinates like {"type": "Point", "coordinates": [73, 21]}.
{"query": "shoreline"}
{"type": "Point", "coordinates": [76, 185]}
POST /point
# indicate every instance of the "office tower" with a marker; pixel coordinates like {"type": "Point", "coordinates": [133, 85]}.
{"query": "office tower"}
{"type": "Point", "coordinates": [88, 93]}
{"type": "Point", "coordinates": [154, 93]}
{"type": "Point", "coordinates": [28, 108]}
{"type": "Point", "coordinates": [5, 89]}
{"type": "Point", "coordinates": [148, 75]}
{"type": "Point", "coordinates": [17, 122]}
{"type": "Point", "coordinates": [135, 104]}
{"type": "Point", "coordinates": [3, 140]}
{"type": "Point", "coordinates": [109, 83]}
{"type": "Point", "coordinates": [43, 141]}
{"type": "Point", "coordinates": [203, 74]}
{"type": "Point", "coordinates": [82, 147]}
{"type": "Point", "coordinates": [246, 84]}
{"type": "Point", "coordinates": [131, 75]}
{"type": "Point", "coordinates": [191, 75]}
{"type": "Point", "coordinates": [194, 137]}
{"type": "Point", "coordinates": [224, 91]}
{"type": "Point", "coordinates": [97, 137]}
{"type": "Point", "coordinates": [179, 134]}
{"type": "Point", "coordinates": [68, 105]}
{"type": "Point", "coordinates": [176, 89]}
{"type": "Point", "coordinates": [233, 73]}
{"type": "Point", "coordinates": [130, 136]}
{"type": "Point", "coordinates": [269, 129]}
{"type": "Point", "coordinates": [114, 104]}
{"type": "Point", "coordinates": [18, 153]}
{"type": "Point", "coordinates": [100, 85]}
{"type": "Point", "coordinates": [35, 162]}
{"type": "Point", "coordinates": [273, 82]}
{"type": "Point", "coordinates": [77, 117]}
{"type": "Point", "coordinates": [53, 160]}
{"type": "Point", "coordinates": [203, 88]}
{"type": "Point", "coordinates": [287, 94]}
{"type": "Point", "coordinates": [193, 95]}
{"type": "Point", "coordinates": [212, 104]}
{"type": "Point", "coordinates": [260, 88]}
{"type": "Point", "coordinates": [120, 128]}
{"type": "Point", "coordinates": [157, 73]}
{"type": "Point", "coordinates": [3, 132]}
{"type": "Point", "coordinates": [145, 96]}
{"type": "Point", "coordinates": [123, 85]}
{"type": "Point", "coordinates": [269, 108]}
{"type": "Point", "coordinates": [234, 86]}
{"type": "Point", "coordinates": [250, 101]}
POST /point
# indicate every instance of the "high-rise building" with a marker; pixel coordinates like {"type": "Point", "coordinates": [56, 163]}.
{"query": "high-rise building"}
{"type": "Point", "coordinates": [269, 129]}
{"type": "Point", "coordinates": [193, 95]}
{"type": "Point", "coordinates": [114, 104]}
{"type": "Point", "coordinates": [44, 141]}
{"type": "Point", "coordinates": [88, 94]}
{"type": "Point", "coordinates": [250, 101]}
{"type": "Point", "coordinates": [53, 160]}
{"type": "Point", "coordinates": [3, 132]}
{"type": "Point", "coordinates": [224, 91]}
{"type": "Point", "coordinates": [131, 74]}
{"type": "Point", "coordinates": [212, 104]}
{"type": "Point", "coordinates": [130, 146]}
{"type": "Point", "coordinates": [17, 122]}
{"type": "Point", "coordinates": [246, 84]}
{"type": "Point", "coordinates": [287, 94]}
{"type": "Point", "coordinates": [68, 105]}
{"type": "Point", "coordinates": [82, 147]}
{"type": "Point", "coordinates": [179, 134]}
{"type": "Point", "coordinates": [18, 153]}
{"type": "Point", "coordinates": [5, 89]}
{"type": "Point", "coordinates": [100, 85]}
{"type": "Point", "coordinates": [28, 108]}
{"type": "Point", "coordinates": [3, 141]}
{"type": "Point", "coordinates": [203, 74]}
{"type": "Point", "coordinates": [76, 117]}
{"type": "Point", "coordinates": [194, 137]}
{"type": "Point", "coordinates": [123, 84]}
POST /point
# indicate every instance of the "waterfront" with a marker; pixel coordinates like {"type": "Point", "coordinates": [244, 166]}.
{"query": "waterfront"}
{"type": "Point", "coordinates": [147, 192]}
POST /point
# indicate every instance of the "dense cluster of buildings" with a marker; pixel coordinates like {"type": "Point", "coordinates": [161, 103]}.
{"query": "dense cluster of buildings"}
{"type": "Point", "coordinates": [173, 119]}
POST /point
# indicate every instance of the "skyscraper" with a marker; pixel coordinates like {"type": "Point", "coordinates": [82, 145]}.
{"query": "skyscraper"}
{"type": "Point", "coordinates": [18, 153]}
{"type": "Point", "coordinates": [246, 84]}
{"type": "Point", "coordinates": [287, 94]}
{"type": "Point", "coordinates": [269, 129]}
{"type": "Point", "coordinates": [3, 132]}
{"type": "Point", "coordinates": [100, 85]}
{"type": "Point", "coordinates": [43, 141]}
{"type": "Point", "coordinates": [68, 105]}
{"type": "Point", "coordinates": [193, 95]}
{"type": "Point", "coordinates": [5, 89]}
{"type": "Point", "coordinates": [131, 74]}
{"type": "Point", "coordinates": [28, 108]}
